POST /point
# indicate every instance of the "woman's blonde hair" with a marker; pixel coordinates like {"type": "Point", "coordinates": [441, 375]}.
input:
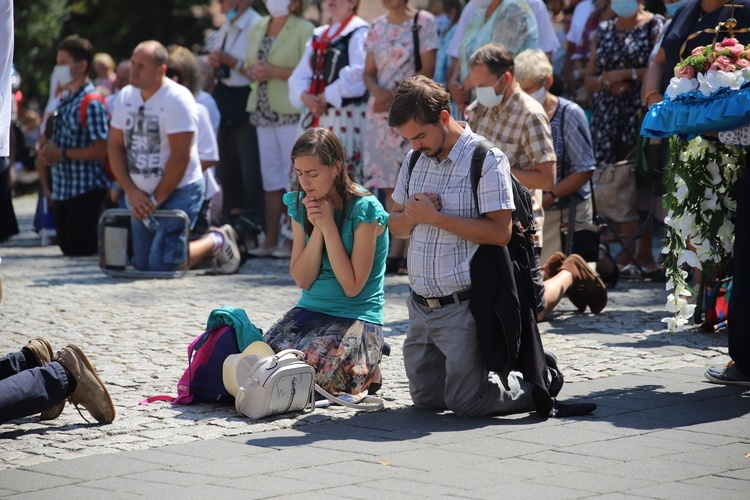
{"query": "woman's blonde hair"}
{"type": "Point", "coordinates": [105, 59]}
{"type": "Point", "coordinates": [532, 65]}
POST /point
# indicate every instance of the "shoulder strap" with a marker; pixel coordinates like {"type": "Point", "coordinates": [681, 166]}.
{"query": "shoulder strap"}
{"type": "Point", "coordinates": [368, 403]}
{"type": "Point", "coordinates": [87, 99]}
{"type": "Point", "coordinates": [413, 159]}
{"type": "Point", "coordinates": [477, 161]}
{"type": "Point", "coordinates": [415, 35]}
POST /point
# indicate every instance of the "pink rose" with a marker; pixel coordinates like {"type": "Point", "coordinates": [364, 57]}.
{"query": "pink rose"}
{"type": "Point", "coordinates": [717, 66]}
{"type": "Point", "coordinates": [718, 47]}
{"type": "Point", "coordinates": [724, 61]}
{"type": "Point", "coordinates": [728, 42]}
{"type": "Point", "coordinates": [736, 51]}
{"type": "Point", "coordinates": [742, 63]}
{"type": "Point", "coordinates": [698, 51]}
{"type": "Point", "coordinates": [687, 72]}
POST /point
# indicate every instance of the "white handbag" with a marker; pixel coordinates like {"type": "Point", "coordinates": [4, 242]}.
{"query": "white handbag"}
{"type": "Point", "coordinates": [275, 384]}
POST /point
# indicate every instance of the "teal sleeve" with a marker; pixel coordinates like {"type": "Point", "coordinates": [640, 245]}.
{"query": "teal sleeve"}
{"type": "Point", "coordinates": [368, 209]}
{"type": "Point", "coordinates": [290, 200]}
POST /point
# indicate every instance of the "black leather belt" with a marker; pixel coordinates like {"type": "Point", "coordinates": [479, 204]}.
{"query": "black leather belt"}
{"type": "Point", "coordinates": [437, 302]}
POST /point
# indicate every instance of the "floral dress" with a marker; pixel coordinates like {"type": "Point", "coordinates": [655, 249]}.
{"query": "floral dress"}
{"type": "Point", "coordinates": [614, 124]}
{"type": "Point", "coordinates": [392, 46]}
{"type": "Point", "coordinates": [512, 25]}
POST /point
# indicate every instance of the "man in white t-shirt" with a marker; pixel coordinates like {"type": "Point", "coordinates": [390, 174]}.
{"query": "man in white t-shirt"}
{"type": "Point", "coordinates": [154, 155]}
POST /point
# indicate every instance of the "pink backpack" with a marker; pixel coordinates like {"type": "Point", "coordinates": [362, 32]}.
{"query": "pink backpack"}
{"type": "Point", "coordinates": [202, 380]}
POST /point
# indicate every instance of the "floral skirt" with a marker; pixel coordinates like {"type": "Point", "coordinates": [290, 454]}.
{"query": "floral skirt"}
{"type": "Point", "coordinates": [344, 352]}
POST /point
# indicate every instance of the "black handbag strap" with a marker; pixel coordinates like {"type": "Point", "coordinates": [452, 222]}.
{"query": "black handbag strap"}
{"type": "Point", "coordinates": [415, 35]}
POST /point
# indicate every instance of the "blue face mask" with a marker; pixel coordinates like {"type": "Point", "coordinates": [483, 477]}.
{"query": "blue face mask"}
{"type": "Point", "coordinates": [442, 23]}
{"type": "Point", "coordinates": [624, 8]}
{"type": "Point", "coordinates": [231, 14]}
{"type": "Point", "coordinates": [672, 7]}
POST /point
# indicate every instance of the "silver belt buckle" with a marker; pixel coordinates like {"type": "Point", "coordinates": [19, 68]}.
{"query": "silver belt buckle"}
{"type": "Point", "coordinates": [433, 303]}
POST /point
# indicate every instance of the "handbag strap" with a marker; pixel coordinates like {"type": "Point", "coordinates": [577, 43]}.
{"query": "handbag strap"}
{"type": "Point", "coordinates": [371, 403]}
{"type": "Point", "coordinates": [415, 27]}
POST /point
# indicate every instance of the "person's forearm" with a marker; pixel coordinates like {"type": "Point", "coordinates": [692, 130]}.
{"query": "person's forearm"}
{"type": "Point", "coordinates": [535, 179]}
{"type": "Point", "coordinates": [97, 151]}
{"type": "Point", "coordinates": [371, 82]}
{"type": "Point", "coordinates": [281, 73]}
{"type": "Point", "coordinates": [306, 268]}
{"type": "Point", "coordinates": [652, 91]}
{"type": "Point", "coordinates": [401, 225]}
{"type": "Point", "coordinates": [482, 230]}
{"type": "Point", "coordinates": [118, 162]}
{"type": "Point", "coordinates": [174, 171]}
{"type": "Point", "coordinates": [341, 264]}
{"type": "Point", "coordinates": [571, 183]}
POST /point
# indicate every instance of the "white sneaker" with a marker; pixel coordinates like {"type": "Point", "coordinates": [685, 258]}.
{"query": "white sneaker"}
{"type": "Point", "coordinates": [227, 259]}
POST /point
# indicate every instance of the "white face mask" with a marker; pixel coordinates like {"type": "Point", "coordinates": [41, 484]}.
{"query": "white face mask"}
{"type": "Point", "coordinates": [278, 8]}
{"type": "Point", "coordinates": [487, 97]}
{"type": "Point", "coordinates": [481, 4]}
{"type": "Point", "coordinates": [540, 95]}
{"type": "Point", "coordinates": [63, 74]}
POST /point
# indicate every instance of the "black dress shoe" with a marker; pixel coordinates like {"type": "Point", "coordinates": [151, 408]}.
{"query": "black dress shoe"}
{"type": "Point", "coordinates": [562, 410]}
{"type": "Point", "coordinates": [556, 379]}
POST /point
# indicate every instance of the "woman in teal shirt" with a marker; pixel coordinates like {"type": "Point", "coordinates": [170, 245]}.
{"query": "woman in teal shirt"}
{"type": "Point", "coordinates": [338, 260]}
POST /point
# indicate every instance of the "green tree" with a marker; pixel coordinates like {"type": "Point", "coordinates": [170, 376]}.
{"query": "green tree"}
{"type": "Point", "coordinates": [113, 27]}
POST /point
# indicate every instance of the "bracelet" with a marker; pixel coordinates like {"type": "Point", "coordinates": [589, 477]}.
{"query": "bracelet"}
{"type": "Point", "coordinates": [633, 74]}
{"type": "Point", "coordinates": [240, 64]}
{"type": "Point", "coordinates": [600, 81]}
{"type": "Point", "coordinates": [63, 154]}
{"type": "Point", "coordinates": [153, 200]}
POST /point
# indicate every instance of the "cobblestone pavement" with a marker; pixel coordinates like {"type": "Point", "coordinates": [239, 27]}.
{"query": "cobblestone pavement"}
{"type": "Point", "coordinates": [136, 333]}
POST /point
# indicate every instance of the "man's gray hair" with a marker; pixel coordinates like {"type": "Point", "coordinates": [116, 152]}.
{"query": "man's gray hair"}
{"type": "Point", "coordinates": [532, 66]}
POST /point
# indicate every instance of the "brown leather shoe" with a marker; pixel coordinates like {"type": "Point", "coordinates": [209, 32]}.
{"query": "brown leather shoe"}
{"type": "Point", "coordinates": [587, 289]}
{"type": "Point", "coordinates": [42, 351]}
{"type": "Point", "coordinates": [553, 264]}
{"type": "Point", "coordinates": [90, 390]}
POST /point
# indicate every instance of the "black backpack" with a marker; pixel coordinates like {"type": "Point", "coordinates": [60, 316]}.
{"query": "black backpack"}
{"type": "Point", "coordinates": [523, 215]}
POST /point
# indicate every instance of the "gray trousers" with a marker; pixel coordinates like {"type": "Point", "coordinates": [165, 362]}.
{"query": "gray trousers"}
{"type": "Point", "coordinates": [444, 365]}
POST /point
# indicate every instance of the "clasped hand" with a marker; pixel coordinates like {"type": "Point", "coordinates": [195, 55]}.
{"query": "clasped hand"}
{"type": "Point", "coordinates": [140, 204]}
{"type": "Point", "coordinates": [319, 212]}
{"type": "Point", "coordinates": [315, 103]}
{"type": "Point", "coordinates": [423, 207]}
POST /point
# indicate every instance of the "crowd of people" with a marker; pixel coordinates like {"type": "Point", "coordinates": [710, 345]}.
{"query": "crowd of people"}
{"type": "Point", "coordinates": [303, 124]}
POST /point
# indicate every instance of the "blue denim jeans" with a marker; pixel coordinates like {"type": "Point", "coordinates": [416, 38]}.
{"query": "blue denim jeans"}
{"type": "Point", "coordinates": [25, 392]}
{"type": "Point", "coordinates": [159, 243]}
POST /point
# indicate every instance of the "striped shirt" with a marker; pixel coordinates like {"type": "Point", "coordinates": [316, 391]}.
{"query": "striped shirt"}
{"type": "Point", "coordinates": [439, 261]}
{"type": "Point", "coordinates": [573, 147]}
{"type": "Point", "coordinates": [520, 128]}
{"type": "Point", "coordinates": [71, 178]}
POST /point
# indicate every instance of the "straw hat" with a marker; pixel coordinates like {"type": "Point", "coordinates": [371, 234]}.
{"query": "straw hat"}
{"type": "Point", "coordinates": [233, 370]}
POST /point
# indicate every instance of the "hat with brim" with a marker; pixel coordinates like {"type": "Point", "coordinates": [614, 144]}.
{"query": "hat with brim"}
{"type": "Point", "coordinates": [237, 366]}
